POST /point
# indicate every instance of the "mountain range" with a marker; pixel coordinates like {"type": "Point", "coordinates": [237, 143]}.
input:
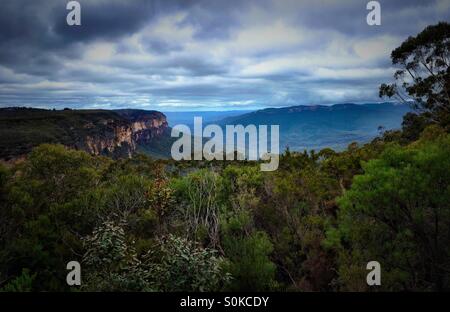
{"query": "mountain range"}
{"type": "Point", "coordinates": [121, 133]}
{"type": "Point", "coordinates": [319, 126]}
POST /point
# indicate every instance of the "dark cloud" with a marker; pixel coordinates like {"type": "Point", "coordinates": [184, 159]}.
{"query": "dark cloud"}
{"type": "Point", "coordinates": [201, 54]}
{"type": "Point", "coordinates": [215, 19]}
{"type": "Point", "coordinates": [400, 17]}
{"type": "Point", "coordinates": [105, 19]}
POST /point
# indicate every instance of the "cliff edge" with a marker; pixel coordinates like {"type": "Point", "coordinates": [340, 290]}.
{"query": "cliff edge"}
{"type": "Point", "coordinates": [118, 133]}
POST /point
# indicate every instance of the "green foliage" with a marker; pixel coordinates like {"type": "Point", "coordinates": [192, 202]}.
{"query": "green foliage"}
{"type": "Point", "coordinates": [197, 195]}
{"type": "Point", "coordinates": [248, 253]}
{"type": "Point", "coordinates": [177, 264]}
{"type": "Point", "coordinates": [412, 126]}
{"type": "Point", "coordinates": [24, 128]}
{"type": "Point", "coordinates": [44, 214]}
{"type": "Point", "coordinates": [398, 213]}
{"type": "Point", "coordinates": [279, 230]}
{"type": "Point", "coordinates": [300, 204]}
{"type": "Point", "coordinates": [22, 283]}
{"type": "Point", "coordinates": [272, 231]}
{"type": "Point", "coordinates": [171, 264]}
{"type": "Point", "coordinates": [111, 262]}
{"type": "Point", "coordinates": [423, 75]}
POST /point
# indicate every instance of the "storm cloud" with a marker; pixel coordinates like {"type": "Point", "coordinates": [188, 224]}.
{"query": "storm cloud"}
{"type": "Point", "coordinates": [201, 55]}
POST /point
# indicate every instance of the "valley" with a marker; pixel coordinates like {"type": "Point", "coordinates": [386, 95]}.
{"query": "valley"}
{"type": "Point", "coordinates": [122, 133]}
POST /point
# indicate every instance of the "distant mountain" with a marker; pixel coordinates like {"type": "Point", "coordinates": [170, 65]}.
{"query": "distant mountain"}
{"type": "Point", "coordinates": [121, 133]}
{"type": "Point", "coordinates": [187, 118]}
{"type": "Point", "coordinates": [117, 133]}
{"type": "Point", "coordinates": [319, 126]}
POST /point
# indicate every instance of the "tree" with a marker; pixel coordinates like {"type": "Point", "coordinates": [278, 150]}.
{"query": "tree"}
{"type": "Point", "coordinates": [398, 214]}
{"type": "Point", "coordinates": [247, 251]}
{"type": "Point", "coordinates": [295, 215]}
{"type": "Point", "coordinates": [177, 264]}
{"type": "Point", "coordinates": [111, 261]}
{"type": "Point", "coordinates": [197, 194]}
{"type": "Point", "coordinates": [22, 283]}
{"type": "Point", "coordinates": [412, 126]}
{"type": "Point", "coordinates": [247, 247]}
{"type": "Point", "coordinates": [46, 209]}
{"type": "Point", "coordinates": [423, 77]}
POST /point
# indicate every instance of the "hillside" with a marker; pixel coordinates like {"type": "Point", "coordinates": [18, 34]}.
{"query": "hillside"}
{"type": "Point", "coordinates": [319, 126]}
{"type": "Point", "coordinates": [121, 133]}
{"type": "Point", "coordinates": [99, 132]}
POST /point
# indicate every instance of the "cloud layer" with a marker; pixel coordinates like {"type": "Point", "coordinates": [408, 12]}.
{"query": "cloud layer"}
{"type": "Point", "coordinates": [201, 55]}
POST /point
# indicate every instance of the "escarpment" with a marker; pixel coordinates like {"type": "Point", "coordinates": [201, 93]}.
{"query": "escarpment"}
{"type": "Point", "coordinates": [145, 125]}
{"type": "Point", "coordinates": [117, 133]}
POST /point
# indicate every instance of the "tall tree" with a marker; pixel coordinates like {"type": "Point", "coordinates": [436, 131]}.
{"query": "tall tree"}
{"type": "Point", "coordinates": [398, 213]}
{"type": "Point", "coordinates": [423, 77]}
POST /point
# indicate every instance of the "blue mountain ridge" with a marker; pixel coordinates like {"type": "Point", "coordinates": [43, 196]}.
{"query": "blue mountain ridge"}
{"type": "Point", "coordinates": [319, 126]}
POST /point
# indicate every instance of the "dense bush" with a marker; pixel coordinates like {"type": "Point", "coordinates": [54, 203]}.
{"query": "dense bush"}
{"type": "Point", "coordinates": [136, 226]}
{"type": "Point", "coordinates": [398, 213]}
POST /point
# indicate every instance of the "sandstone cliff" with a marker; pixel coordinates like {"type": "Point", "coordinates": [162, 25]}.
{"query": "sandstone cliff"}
{"type": "Point", "coordinates": [111, 133]}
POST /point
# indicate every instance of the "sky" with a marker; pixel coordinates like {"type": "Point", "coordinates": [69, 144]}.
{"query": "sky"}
{"type": "Point", "coordinates": [191, 55]}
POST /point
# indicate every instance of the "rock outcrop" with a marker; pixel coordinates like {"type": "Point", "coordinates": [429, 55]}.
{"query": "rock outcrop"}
{"type": "Point", "coordinates": [120, 138]}
{"type": "Point", "coordinates": [117, 133]}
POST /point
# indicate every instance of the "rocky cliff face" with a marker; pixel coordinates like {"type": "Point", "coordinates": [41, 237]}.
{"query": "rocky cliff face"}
{"type": "Point", "coordinates": [122, 137]}
{"type": "Point", "coordinates": [118, 140]}
{"type": "Point", "coordinates": [117, 133]}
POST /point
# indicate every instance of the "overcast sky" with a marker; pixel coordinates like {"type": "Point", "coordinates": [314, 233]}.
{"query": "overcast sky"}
{"type": "Point", "coordinates": [201, 55]}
